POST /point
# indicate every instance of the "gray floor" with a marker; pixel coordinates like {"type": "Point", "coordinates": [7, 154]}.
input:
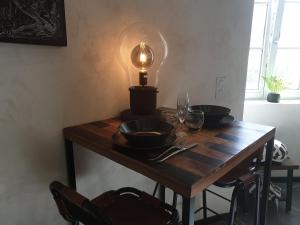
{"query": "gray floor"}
{"type": "Point", "coordinates": [276, 213]}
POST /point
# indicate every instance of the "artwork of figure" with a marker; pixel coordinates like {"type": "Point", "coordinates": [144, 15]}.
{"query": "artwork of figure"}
{"type": "Point", "coordinates": [33, 21]}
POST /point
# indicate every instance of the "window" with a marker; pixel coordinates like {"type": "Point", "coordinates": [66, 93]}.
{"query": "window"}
{"type": "Point", "coordinates": [274, 47]}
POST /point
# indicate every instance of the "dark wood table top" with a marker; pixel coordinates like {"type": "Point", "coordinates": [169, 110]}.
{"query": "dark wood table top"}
{"type": "Point", "coordinates": [218, 151]}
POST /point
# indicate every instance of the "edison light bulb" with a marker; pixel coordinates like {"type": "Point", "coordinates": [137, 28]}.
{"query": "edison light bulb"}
{"type": "Point", "coordinates": [142, 49]}
{"type": "Point", "coordinates": [142, 57]}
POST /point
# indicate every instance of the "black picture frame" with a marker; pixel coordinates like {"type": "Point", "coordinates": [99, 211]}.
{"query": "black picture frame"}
{"type": "Point", "coordinates": [40, 22]}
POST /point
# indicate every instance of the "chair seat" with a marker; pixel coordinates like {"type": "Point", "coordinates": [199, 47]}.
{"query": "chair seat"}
{"type": "Point", "coordinates": [232, 177]}
{"type": "Point", "coordinates": [128, 209]}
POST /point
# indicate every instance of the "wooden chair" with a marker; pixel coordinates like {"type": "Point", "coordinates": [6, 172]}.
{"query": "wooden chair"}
{"type": "Point", "coordinates": [126, 206]}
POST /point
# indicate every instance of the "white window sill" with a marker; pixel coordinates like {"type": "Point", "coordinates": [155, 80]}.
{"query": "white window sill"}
{"type": "Point", "coordinates": [265, 102]}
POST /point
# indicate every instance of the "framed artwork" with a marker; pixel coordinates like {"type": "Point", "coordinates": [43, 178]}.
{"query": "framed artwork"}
{"type": "Point", "coordinates": [33, 22]}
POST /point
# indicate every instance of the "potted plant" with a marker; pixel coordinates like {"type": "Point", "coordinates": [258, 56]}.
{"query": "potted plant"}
{"type": "Point", "coordinates": [275, 85]}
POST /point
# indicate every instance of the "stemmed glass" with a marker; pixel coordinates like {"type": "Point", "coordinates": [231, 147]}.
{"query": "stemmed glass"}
{"type": "Point", "coordinates": [182, 109]}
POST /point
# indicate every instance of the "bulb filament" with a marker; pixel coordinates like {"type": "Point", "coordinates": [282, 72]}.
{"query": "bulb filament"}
{"type": "Point", "coordinates": [143, 55]}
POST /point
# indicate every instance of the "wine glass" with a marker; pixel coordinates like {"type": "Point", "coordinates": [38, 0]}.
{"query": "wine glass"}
{"type": "Point", "coordinates": [194, 120]}
{"type": "Point", "coordinates": [182, 107]}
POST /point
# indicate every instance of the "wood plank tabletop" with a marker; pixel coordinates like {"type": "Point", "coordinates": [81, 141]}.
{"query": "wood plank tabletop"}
{"type": "Point", "coordinates": [218, 151]}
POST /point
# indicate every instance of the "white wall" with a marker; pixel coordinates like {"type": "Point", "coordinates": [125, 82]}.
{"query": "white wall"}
{"type": "Point", "coordinates": [43, 89]}
{"type": "Point", "coordinates": [285, 117]}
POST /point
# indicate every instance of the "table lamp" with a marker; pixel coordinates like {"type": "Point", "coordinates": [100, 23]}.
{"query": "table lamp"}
{"type": "Point", "coordinates": [143, 50]}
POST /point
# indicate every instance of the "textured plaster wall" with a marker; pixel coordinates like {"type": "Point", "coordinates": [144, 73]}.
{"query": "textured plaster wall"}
{"type": "Point", "coordinates": [43, 89]}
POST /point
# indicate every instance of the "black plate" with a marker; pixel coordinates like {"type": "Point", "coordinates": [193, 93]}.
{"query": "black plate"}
{"type": "Point", "coordinates": [225, 121]}
{"type": "Point", "coordinates": [146, 132]}
{"type": "Point", "coordinates": [212, 113]}
{"type": "Point", "coordinates": [211, 109]}
{"type": "Point", "coordinates": [120, 142]}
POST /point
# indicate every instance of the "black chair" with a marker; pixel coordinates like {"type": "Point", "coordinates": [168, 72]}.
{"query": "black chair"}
{"type": "Point", "coordinates": [240, 186]}
{"type": "Point", "coordinates": [126, 206]}
{"type": "Point", "coordinates": [241, 179]}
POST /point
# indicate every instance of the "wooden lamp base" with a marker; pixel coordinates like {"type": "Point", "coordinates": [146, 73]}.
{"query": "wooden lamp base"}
{"type": "Point", "coordinates": [143, 100]}
{"type": "Point", "coordinates": [142, 104]}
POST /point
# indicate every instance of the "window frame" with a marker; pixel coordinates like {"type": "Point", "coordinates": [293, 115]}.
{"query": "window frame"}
{"type": "Point", "coordinates": [270, 47]}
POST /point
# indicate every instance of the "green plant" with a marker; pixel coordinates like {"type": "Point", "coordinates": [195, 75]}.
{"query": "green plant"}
{"type": "Point", "coordinates": [275, 84]}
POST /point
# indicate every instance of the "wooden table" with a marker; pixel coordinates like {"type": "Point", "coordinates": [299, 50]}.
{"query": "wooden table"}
{"type": "Point", "coordinates": [219, 151]}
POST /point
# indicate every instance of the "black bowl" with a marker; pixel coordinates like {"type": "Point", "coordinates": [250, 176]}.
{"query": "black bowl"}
{"type": "Point", "coordinates": [212, 113]}
{"type": "Point", "coordinates": [146, 132]}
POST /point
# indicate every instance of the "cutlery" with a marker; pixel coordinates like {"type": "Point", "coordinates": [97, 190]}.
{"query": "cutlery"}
{"type": "Point", "coordinates": [177, 152]}
{"type": "Point", "coordinates": [178, 146]}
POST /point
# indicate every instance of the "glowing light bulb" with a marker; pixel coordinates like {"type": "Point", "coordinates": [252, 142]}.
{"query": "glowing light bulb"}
{"type": "Point", "coordinates": [142, 57]}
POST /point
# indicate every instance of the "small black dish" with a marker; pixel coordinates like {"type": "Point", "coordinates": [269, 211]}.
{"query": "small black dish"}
{"type": "Point", "coordinates": [212, 113]}
{"type": "Point", "coordinates": [146, 132]}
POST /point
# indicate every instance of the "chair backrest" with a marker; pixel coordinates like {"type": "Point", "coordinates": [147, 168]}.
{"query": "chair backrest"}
{"type": "Point", "coordinates": [74, 207]}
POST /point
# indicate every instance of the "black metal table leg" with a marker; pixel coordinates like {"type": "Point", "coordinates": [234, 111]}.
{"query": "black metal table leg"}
{"type": "Point", "coordinates": [70, 167]}
{"type": "Point", "coordinates": [204, 204]}
{"type": "Point", "coordinates": [289, 190]}
{"type": "Point", "coordinates": [162, 193]}
{"type": "Point", "coordinates": [257, 205]}
{"type": "Point", "coordinates": [266, 181]}
{"type": "Point", "coordinates": [188, 207]}
{"type": "Point", "coordinates": [70, 164]}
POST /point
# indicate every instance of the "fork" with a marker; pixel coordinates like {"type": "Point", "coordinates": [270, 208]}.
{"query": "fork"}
{"type": "Point", "coordinates": [176, 152]}
{"type": "Point", "coordinates": [178, 146]}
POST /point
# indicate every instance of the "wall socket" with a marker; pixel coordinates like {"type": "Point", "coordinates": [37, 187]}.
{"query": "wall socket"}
{"type": "Point", "coordinates": [220, 87]}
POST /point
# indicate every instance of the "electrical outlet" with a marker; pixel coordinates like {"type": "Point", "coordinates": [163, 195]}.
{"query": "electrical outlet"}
{"type": "Point", "coordinates": [220, 87]}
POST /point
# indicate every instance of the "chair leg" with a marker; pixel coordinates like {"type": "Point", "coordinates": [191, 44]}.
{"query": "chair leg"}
{"type": "Point", "coordinates": [233, 204]}
{"type": "Point", "coordinates": [245, 200]}
{"type": "Point", "coordinates": [175, 196]}
{"type": "Point", "coordinates": [257, 205]}
{"type": "Point", "coordinates": [155, 189]}
{"type": "Point", "coordinates": [162, 192]}
{"type": "Point", "coordinates": [204, 203]}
